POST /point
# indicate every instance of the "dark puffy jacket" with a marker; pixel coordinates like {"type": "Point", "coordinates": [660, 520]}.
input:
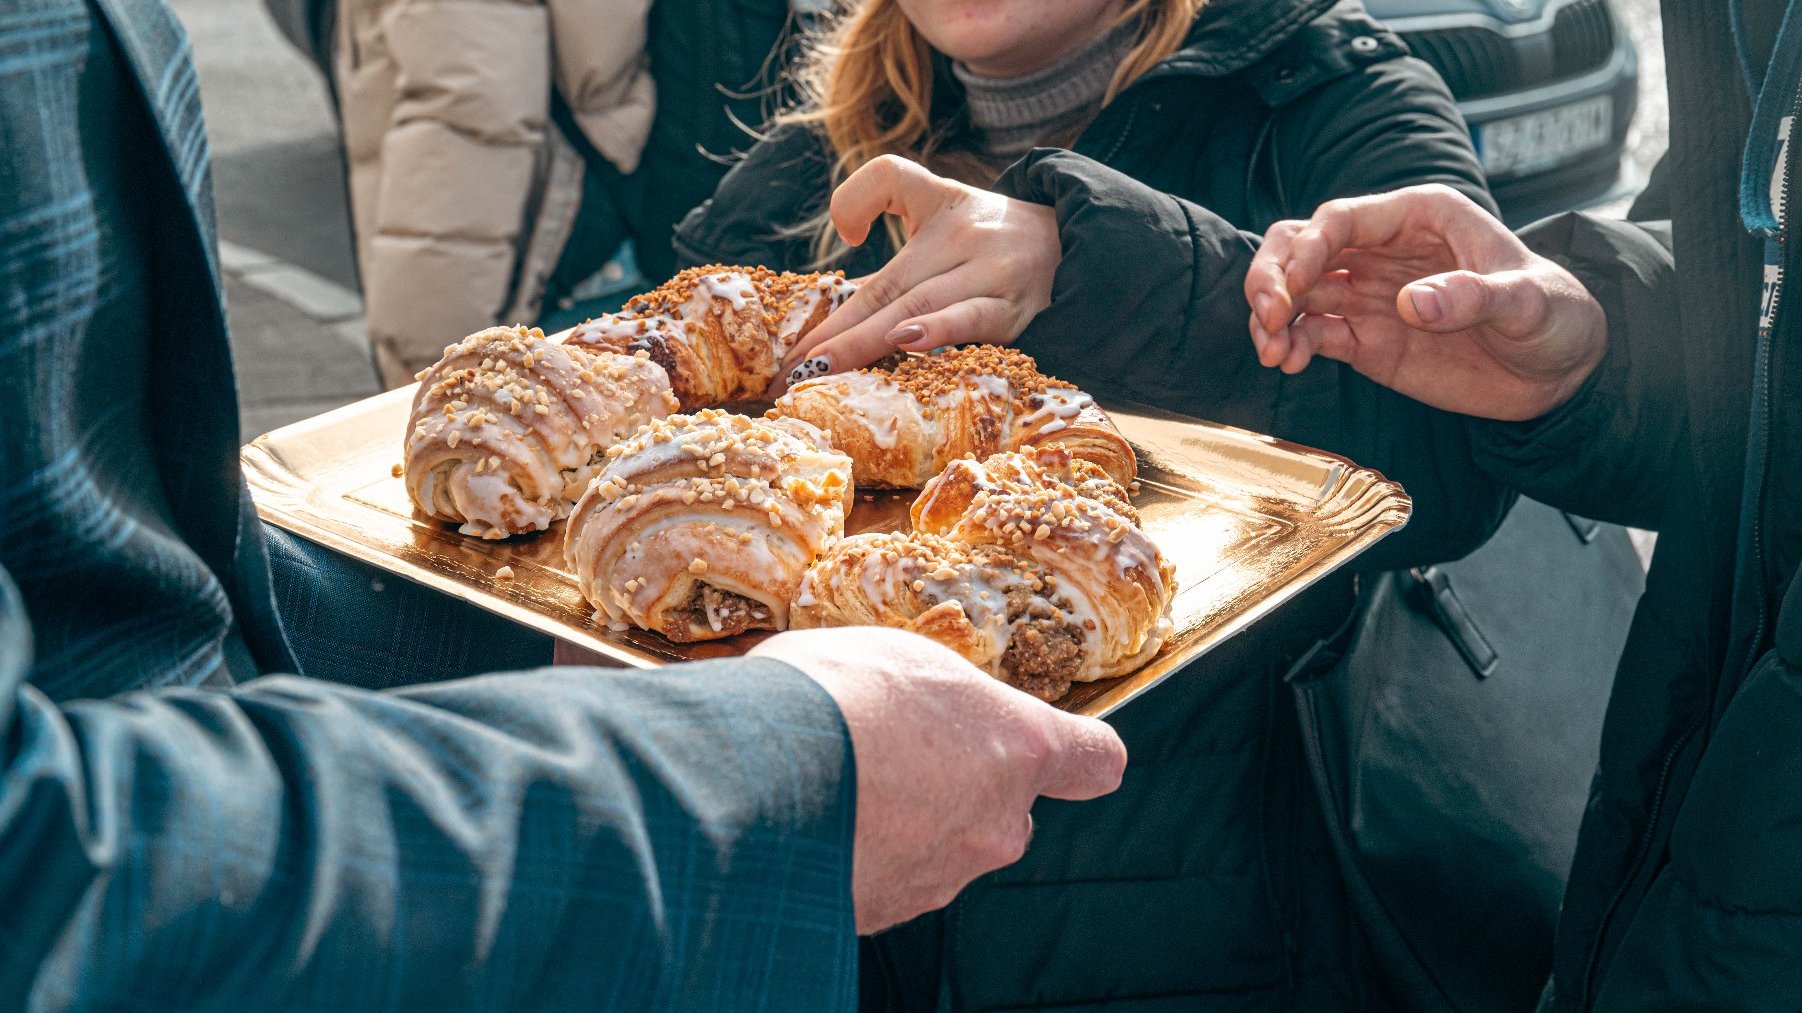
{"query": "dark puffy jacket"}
{"type": "Point", "coordinates": [1685, 892]}
{"type": "Point", "coordinates": [1686, 889]}
{"type": "Point", "coordinates": [1206, 882]}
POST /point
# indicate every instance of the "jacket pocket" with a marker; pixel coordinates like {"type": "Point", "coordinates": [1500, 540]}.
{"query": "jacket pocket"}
{"type": "Point", "coordinates": [1738, 839]}
{"type": "Point", "coordinates": [1721, 927]}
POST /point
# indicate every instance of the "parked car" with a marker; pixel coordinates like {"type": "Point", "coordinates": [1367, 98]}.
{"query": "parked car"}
{"type": "Point", "coordinates": [1549, 88]}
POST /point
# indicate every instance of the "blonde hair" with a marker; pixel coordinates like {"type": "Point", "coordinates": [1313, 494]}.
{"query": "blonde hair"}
{"type": "Point", "coordinates": [866, 84]}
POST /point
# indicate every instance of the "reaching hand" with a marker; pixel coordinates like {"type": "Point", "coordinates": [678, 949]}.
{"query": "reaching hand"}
{"type": "Point", "coordinates": [1424, 292]}
{"type": "Point", "coordinates": [977, 267]}
{"type": "Point", "coordinates": [949, 763]}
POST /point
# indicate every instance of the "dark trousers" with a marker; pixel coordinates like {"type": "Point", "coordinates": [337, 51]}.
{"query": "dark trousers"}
{"type": "Point", "coordinates": [348, 622]}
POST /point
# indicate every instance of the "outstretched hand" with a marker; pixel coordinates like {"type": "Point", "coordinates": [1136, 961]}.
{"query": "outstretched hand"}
{"type": "Point", "coordinates": [949, 763]}
{"type": "Point", "coordinates": [977, 267]}
{"type": "Point", "coordinates": [1426, 293]}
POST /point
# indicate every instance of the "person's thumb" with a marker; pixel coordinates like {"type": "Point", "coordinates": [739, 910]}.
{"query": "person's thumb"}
{"type": "Point", "coordinates": [1089, 761]}
{"type": "Point", "coordinates": [1512, 302]}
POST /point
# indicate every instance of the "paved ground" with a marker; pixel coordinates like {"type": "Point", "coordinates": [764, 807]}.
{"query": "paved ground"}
{"type": "Point", "coordinates": [296, 318]}
{"type": "Point", "coordinates": [278, 177]}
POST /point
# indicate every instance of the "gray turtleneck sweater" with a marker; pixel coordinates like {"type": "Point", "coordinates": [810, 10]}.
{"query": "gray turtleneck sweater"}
{"type": "Point", "coordinates": [1009, 115]}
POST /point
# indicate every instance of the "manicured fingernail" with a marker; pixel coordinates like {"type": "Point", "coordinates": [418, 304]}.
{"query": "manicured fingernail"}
{"type": "Point", "coordinates": [819, 365]}
{"type": "Point", "coordinates": [1262, 302]}
{"type": "Point", "coordinates": [1429, 305]}
{"type": "Point", "coordinates": [906, 335]}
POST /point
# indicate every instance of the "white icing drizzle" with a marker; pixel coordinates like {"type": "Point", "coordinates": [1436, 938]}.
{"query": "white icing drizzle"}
{"type": "Point", "coordinates": [491, 504]}
{"type": "Point", "coordinates": [878, 580]}
{"type": "Point", "coordinates": [616, 329]}
{"type": "Point", "coordinates": [1057, 408]}
{"type": "Point", "coordinates": [988, 385]}
{"type": "Point", "coordinates": [879, 401]}
{"type": "Point", "coordinates": [735, 287]}
{"type": "Point", "coordinates": [831, 289]}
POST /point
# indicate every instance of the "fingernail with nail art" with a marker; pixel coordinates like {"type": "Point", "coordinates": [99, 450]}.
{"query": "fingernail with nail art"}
{"type": "Point", "coordinates": [819, 365]}
{"type": "Point", "coordinates": [906, 335]}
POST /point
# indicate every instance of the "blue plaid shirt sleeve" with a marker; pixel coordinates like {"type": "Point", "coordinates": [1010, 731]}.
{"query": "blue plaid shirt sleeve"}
{"type": "Point", "coordinates": [559, 839]}
{"type": "Point", "coordinates": [550, 840]}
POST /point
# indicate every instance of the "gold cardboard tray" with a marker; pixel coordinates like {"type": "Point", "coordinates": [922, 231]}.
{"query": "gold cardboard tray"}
{"type": "Point", "coordinates": [1248, 521]}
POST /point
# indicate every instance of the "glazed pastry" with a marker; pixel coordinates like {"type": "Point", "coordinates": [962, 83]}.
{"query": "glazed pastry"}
{"type": "Point", "coordinates": [509, 427]}
{"type": "Point", "coordinates": [904, 423]}
{"type": "Point", "coordinates": [720, 332]}
{"type": "Point", "coordinates": [700, 527]}
{"type": "Point", "coordinates": [1031, 565]}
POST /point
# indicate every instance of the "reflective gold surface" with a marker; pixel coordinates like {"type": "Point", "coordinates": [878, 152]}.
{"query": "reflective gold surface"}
{"type": "Point", "coordinates": [1248, 522]}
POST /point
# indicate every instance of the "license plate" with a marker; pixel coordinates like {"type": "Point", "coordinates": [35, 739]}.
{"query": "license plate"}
{"type": "Point", "coordinates": [1524, 144]}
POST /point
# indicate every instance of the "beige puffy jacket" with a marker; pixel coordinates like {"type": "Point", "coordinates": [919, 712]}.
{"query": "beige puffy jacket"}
{"type": "Point", "coordinates": [462, 190]}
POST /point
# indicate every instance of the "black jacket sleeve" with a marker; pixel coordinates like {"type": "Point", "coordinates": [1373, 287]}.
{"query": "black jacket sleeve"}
{"type": "Point", "coordinates": [765, 209]}
{"type": "Point", "coordinates": [1607, 453]}
{"type": "Point", "coordinates": [1149, 300]}
{"type": "Point", "coordinates": [1372, 129]}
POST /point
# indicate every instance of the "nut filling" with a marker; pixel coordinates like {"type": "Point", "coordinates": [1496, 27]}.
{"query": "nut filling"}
{"type": "Point", "coordinates": [1044, 650]}
{"type": "Point", "coordinates": [724, 612]}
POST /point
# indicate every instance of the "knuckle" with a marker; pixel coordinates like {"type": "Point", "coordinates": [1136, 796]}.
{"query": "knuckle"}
{"type": "Point", "coordinates": [1311, 240]}
{"type": "Point", "coordinates": [1469, 288]}
{"type": "Point", "coordinates": [1033, 744]}
{"type": "Point", "coordinates": [1535, 300]}
{"type": "Point", "coordinates": [944, 895]}
{"type": "Point", "coordinates": [995, 846]}
{"type": "Point", "coordinates": [1448, 204]}
{"type": "Point", "coordinates": [1338, 207]}
{"type": "Point", "coordinates": [1438, 192]}
{"type": "Point", "coordinates": [1010, 845]}
{"type": "Point", "coordinates": [916, 304]}
{"type": "Point", "coordinates": [969, 317]}
{"type": "Point", "coordinates": [880, 291]}
{"type": "Point", "coordinates": [884, 167]}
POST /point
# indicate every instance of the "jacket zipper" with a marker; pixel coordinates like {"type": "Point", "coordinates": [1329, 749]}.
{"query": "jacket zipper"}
{"type": "Point", "coordinates": [1762, 427]}
{"type": "Point", "coordinates": [1767, 353]}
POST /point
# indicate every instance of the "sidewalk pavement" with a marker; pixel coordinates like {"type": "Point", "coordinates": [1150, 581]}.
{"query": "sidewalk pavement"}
{"type": "Point", "coordinates": [284, 221]}
{"type": "Point", "coordinates": [298, 340]}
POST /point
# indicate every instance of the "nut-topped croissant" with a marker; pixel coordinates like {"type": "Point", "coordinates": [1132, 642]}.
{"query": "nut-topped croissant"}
{"type": "Point", "coordinates": [508, 428]}
{"type": "Point", "coordinates": [721, 332]}
{"type": "Point", "coordinates": [700, 527]}
{"type": "Point", "coordinates": [903, 424]}
{"type": "Point", "coordinates": [1031, 565]}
